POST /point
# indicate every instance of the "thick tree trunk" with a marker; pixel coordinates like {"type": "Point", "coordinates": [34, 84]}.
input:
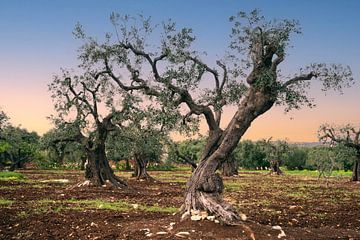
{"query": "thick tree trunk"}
{"type": "Point", "coordinates": [275, 167]}
{"type": "Point", "coordinates": [98, 171]}
{"type": "Point", "coordinates": [140, 168]}
{"type": "Point", "coordinates": [127, 165]}
{"type": "Point", "coordinates": [230, 167]}
{"type": "Point", "coordinates": [356, 170]}
{"type": "Point", "coordinates": [205, 187]}
{"type": "Point", "coordinates": [83, 160]}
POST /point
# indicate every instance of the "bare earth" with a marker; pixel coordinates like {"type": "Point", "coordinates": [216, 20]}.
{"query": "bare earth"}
{"type": "Point", "coordinates": [46, 206]}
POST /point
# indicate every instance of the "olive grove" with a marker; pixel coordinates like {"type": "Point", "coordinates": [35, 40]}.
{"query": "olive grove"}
{"type": "Point", "coordinates": [159, 63]}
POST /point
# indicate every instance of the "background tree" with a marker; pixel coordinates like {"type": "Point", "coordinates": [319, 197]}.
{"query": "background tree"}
{"type": "Point", "coordinates": [4, 119]}
{"type": "Point", "coordinates": [349, 136]}
{"type": "Point", "coordinates": [296, 157]}
{"type": "Point", "coordinates": [251, 155]}
{"type": "Point", "coordinates": [276, 153]}
{"type": "Point", "coordinates": [328, 158]}
{"type": "Point", "coordinates": [84, 96]}
{"type": "Point", "coordinates": [186, 152]}
{"type": "Point", "coordinates": [248, 77]}
{"type": "Point", "coordinates": [18, 146]}
{"type": "Point", "coordinates": [60, 151]}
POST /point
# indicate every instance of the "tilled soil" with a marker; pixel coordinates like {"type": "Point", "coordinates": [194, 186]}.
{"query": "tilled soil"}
{"type": "Point", "coordinates": [46, 207]}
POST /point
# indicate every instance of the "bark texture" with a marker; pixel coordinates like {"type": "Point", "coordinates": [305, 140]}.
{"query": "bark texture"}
{"type": "Point", "coordinates": [275, 167]}
{"type": "Point", "coordinates": [98, 171]}
{"type": "Point", "coordinates": [205, 187]}
{"type": "Point", "coordinates": [140, 172]}
{"type": "Point", "coordinates": [230, 167]}
{"type": "Point", "coordinates": [356, 169]}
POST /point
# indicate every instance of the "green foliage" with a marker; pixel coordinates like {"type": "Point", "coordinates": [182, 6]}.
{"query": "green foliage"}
{"type": "Point", "coordinates": [5, 201]}
{"type": "Point", "coordinates": [191, 149]}
{"type": "Point", "coordinates": [325, 159]}
{"type": "Point", "coordinates": [251, 155]}
{"type": "Point", "coordinates": [8, 176]}
{"type": "Point", "coordinates": [60, 149]}
{"type": "Point", "coordinates": [296, 158]}
{"type": "Point", "coordinates": [18, 146]}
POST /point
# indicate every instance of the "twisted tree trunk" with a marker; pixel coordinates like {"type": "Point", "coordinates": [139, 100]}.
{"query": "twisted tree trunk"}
{"type": "Point", "coordinates": [140, 172]}
{"type": "Point", "coordinates": [98, 171]}
{"type": "Point", "coordinates": [356, 169]}
{"type": "Point", "coordinates": [205, 187]}
{"type": "Point", "coordinates": [275, 167]}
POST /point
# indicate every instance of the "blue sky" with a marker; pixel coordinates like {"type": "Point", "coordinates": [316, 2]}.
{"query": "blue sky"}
{"type": "Point", "coordinates": [36, 40]}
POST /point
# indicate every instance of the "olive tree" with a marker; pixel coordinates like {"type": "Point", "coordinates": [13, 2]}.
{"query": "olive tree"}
{"type": "Point", "coordinates": [328, 158]}
{"type": "Point", "coordinates": [141, 141]}
{"type": "Point", "coordinates": [88, 108]}
{"type": "Point", "coordinates": [60, 150]}
{"type": "Point", "coordinates": [18, 146]}
{"type": "Point", "coordinates": [171, 71]}
{"type": "Point", "coordinates": [348, 136]}
{"type": "Point", "coordinates": [276, 153]}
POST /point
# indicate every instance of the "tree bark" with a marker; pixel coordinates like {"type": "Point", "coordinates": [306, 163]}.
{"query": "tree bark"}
{"type": "Point", "coordinates": [205, 187]}
{"type": "Point", "coordinates": [83, 160]}
{"type": "Point", "coordinates": [140, 168]}
{"type": "Point", "coordinates": [275, 167]}
{"type": "Point", "coordinates": [356, 169]}
{"type": "Point", "coordinates": [230, 167]}
{"type": "Point", "coordinates": [127, 165]}
{"type": "Point", "coordinates": [98, 171]}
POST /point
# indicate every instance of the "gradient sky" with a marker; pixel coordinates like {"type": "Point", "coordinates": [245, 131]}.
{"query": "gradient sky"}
{"type": "Point", "coordinates": [36, 40]}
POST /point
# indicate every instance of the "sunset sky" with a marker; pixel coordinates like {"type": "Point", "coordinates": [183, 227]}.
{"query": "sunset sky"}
{"type": "Point", "coordinates": [36, 40]}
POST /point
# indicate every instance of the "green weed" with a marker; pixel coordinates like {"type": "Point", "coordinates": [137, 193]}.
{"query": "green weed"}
{"type": "Point", "coordinates": [12, 176]}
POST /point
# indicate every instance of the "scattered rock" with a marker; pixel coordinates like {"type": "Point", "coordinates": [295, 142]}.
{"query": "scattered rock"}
{"type": "Point", "coordinates": [203, 214]}
{"type": "Point", "coordinates": [161, 233]}
{"type": "Point", "coordinates": [210, 218]}
{"type": "Point", "coordinates": [92, 224]}
{"type": "Point", "coordinates": [169, 228]}
{"type": "Point", "coordinates": [216, 221]}
{"type": "Point", "coordinates": [194, 212]}
{"type": "Point", "coordinates": [277, 227]}
{"type": "Point", "coordinates": [196, 218]}
{"type": "Point", "coordinates": [295, 207]}
{"type": "Point", "coordinates": [282, 233]}
{"type": "Point", "coordinates": [182, 234]}
{"type": "Point", "coordinates": [243, 217]}
{"type": "Point", "coordinates": [149, 234]}
{"type": "Point", "coordinates": [135, 206]}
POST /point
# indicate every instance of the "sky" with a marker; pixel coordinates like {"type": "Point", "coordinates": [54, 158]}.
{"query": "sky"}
{"type": "Point", "coordinates": [36, 41]}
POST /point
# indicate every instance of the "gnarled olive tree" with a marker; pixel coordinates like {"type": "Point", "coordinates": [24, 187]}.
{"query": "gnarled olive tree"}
{"type": "Point", "coordinates": [86, 113]}
{"type": "Point", "coordinates": [248, 77]}
{"type": "Point", "coordinates": [348, 136]}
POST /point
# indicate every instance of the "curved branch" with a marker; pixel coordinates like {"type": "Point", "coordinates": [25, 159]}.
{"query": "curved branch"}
{"type": "Point", "coordinates": [304, 77]}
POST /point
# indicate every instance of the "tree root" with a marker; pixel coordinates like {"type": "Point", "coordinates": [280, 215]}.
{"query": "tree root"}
{"type": "Point", "coordinates": [213, 204]}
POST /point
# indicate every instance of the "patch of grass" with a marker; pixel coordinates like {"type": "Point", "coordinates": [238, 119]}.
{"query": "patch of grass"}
{"type": "Point", "coordinates": [12, 176]}
{"type": "Point", "coordinates": [48, 205]}
{"type": "Point", "coordinates": [5, 201]}
{"type": "Point", "coordinates": [156, 208]}
{"type": "Point", "coordinates": [234, 186]}
{"type": "Point", "coordinates": [22, 215]}
{"type": "Point", "coordinates": [315, 173]}
{"type": "Point", "coordinates": [101, 204]}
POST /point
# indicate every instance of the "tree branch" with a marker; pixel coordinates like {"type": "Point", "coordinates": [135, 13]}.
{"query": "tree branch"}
{"type": "Point", "coordinates": [304, 77]}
